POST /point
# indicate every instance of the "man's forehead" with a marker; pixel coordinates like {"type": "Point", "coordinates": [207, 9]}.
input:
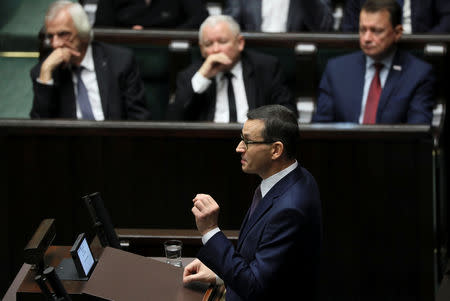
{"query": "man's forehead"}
{"type": "Point", "coordinates": [220, 28]}
{"type": "Point", "coordinates": [253, 126]}
{"type": "Point", "coordinates": [378, 16]}
{"type": "Point", "coordinates": [61, 18]}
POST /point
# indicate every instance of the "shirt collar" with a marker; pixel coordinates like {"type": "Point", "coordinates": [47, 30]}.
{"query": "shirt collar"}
{"type": "Point", "coordinates": [387, 61]}
{"type": "Point", "coordinates": [268, 183]}
{"type": "Point", "coordinates": [236, 71]}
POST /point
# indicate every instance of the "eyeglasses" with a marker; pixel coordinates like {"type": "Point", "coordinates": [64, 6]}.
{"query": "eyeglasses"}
{"type": "Point", "coordinates": [247, 142]}
{"type": "Point", "coordinates": [62, 35]}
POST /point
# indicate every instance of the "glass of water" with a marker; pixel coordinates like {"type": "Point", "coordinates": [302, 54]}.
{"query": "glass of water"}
{"type": "Point", "coordinates": [173, 252]}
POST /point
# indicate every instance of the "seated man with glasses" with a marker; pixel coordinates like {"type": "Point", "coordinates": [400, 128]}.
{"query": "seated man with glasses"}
{"type": "Point", "coordinates": [281, 232]}
{"type": "Point", "coordinates": [80, 79]}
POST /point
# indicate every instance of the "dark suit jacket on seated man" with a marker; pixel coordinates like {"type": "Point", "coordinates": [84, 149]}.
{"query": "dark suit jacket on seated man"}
{"type": "Point", "coordinates": [110, 79]}
{"type": "Point", "coordinates": [407, 83]}
{"type": "Point", "coordinates": [202, 88]}
{"type": "Point", "coordinates": [142, 14]}
{"type": "Point", "coordinates": [431, 16]}
{"type": "Point", "coordinates": [281, 16]}
{"type": "Point", "coordinates": [278, 250]}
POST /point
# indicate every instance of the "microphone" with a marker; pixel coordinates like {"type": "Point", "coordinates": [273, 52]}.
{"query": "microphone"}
{"type": "Point", "coordinates": [56, 284]}
{"type": "Point", "coordinates": [44, 288]}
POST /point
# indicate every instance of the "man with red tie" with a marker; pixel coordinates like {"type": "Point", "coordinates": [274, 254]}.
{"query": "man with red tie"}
{"type": "Point", "coordinates": [381, 83]}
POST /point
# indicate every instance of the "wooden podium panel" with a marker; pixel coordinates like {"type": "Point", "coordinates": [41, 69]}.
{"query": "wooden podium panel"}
{"type": "Point", "coordinates": [121, 275]}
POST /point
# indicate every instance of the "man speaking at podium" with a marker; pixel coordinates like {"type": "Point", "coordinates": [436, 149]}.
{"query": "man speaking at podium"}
{"type": "Point", "coordinates": [277, 254]}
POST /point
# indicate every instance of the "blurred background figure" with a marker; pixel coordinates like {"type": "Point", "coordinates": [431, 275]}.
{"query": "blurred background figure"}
{"type": "Point", "coordinates": [281, 15]}
{"type": "Point", "coordinates": [417, 15]}
{"type": "Point", "coordinates": [140, 14]}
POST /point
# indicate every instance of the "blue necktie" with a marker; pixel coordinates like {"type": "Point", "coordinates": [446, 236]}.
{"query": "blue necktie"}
{"type": "Point", "coordinates": [82, 97]}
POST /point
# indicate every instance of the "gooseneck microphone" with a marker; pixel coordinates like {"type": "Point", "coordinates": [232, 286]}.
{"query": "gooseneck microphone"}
{"type": "Point", "coordinates": [41, 282]}
{"type": "Point", "coordinates": [56, 284]}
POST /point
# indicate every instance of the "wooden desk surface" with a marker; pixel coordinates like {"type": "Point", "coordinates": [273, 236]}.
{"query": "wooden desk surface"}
{"type": "Point", "coordinates": [27, 289]}
{"type": "Point", "coordinates": [24, 280]}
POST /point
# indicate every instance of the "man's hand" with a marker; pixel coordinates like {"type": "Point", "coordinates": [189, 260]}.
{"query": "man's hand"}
{"type": "Point", "coordinates": [214, 64]}
{"type": "Point", "coordinates": [197, 271]}
{"type": "Point", "coordinates": [206, 212]}
{"type": "Point", "coordinates": [58, 56]}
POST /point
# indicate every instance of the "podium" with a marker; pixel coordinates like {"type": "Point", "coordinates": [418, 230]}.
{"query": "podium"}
{"type": "Point", "coordinates": [119, 275]}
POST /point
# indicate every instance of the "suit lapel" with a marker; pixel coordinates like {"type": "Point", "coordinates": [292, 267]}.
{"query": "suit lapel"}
{"type": "Point", "coordinates": [211, 94]}
{"type": "Point", "coordinates": [249, 222]}
{"type": "Point", "coordinates": [392, 83]}
{"type": "Point", "coordinates": [69, 108]}
{"type": "Point", "coordinates": [103, 76]}
{"type": "Point", "coordinates": [415, 7]}
{"type": "Point", "coordinates": [249, 82]}
{"type": "Point", "coordinates": [359, 83]}
{"type": "Point", "coordinates": [266, 203]}
{"type": "Point", "coordinates": [258, 16]}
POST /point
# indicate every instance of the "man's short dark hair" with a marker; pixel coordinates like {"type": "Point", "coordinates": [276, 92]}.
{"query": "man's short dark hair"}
{"type": "Point", "coordinates": [280, 124]}
{"type": "Point", "coordinates": [393, 8]}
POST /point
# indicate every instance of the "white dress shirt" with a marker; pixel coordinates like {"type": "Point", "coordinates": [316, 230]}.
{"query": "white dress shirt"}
{"type": "Point", "coordinates": [274, 15]}
{"type": "Point", "coordinates": [222, 112]}
{"type": "Point", "coordinates": [406, 20]}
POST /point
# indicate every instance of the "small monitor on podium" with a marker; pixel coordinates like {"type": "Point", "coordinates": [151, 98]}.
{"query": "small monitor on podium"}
{"type": "Point", "coordinates": [82, 263]}
{"type": "Point", "coordinates": [82, 256]}
{"type": "Point", "coordinates": [101, 221]}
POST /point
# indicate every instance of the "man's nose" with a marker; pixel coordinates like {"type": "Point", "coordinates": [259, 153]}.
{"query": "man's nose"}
{"type": "Point", "coordinates": [216, 48]}
{"type": "Point", "coordinates": [240, 148]}
{"type": "Point", "coordinates": [367, 36]}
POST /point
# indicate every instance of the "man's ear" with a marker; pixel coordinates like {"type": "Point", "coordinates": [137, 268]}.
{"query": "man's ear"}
{"type": "Point", "coordinates": [277, 150]}
{"type": "Point", "coordinates": [202, 51]}
{"type": "Point", "coordinates": [241, 43]}
{"type": "Point", "coordinates": [398, 32]}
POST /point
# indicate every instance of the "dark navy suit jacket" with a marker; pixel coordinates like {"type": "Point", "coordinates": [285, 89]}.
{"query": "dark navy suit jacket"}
{"type": "Point", "coordinates": [426, 15]}
{"type": "Point", "coordinates": [278, 250]}
{"type": "Point", "coordinates": [120, 86]}
{"type": "Point", "coordinates": [408, 95]}
{"type": "Point", "coordinates": [303, 15]}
